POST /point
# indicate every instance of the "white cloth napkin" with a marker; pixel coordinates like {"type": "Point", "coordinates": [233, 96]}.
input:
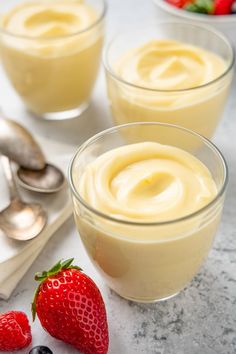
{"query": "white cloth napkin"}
{"type": "Point", "coordinates": [16, 257]}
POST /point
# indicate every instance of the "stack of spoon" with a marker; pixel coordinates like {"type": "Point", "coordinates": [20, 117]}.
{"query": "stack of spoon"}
{"type": "Point", "coordinates": [20, 220]}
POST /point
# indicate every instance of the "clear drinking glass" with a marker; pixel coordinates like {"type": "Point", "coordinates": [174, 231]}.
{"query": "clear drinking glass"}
{"type": "Point", "coordinates": [148, 261]}
{"type": "Point", "coordinates": [53, 74]}
{"type": "Point", "coordinates": [197, 108]}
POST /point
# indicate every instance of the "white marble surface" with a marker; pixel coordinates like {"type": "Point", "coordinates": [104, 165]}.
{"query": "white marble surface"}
{"type": "Point", "coordinates": [202, 319]}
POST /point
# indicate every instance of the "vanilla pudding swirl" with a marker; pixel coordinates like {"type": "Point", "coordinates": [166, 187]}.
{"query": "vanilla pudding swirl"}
{"type": "Point", "coordinates": [49, 18]}
{"type": "Point", "coordinates": [144, 183]}
{"type": "Point", "coordinates": [168, 81]}
{"type": "Point", "coordinates": [52, 55]}
{"type": "Point", "coordinates": [147, 182]}
{"type": "Point", "coordinates": [169, 65]}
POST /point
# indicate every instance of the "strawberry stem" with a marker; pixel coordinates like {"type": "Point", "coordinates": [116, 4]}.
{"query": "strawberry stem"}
{"type": "Point", "coordinates": [44, 275]}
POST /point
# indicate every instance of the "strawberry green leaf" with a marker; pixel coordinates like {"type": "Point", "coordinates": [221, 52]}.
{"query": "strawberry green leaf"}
{"type": "Point", "coordinates": [55, 268]}
{"type": "Point", "coordinates": [33, 310]}
{"type": "Point", "coordinates": [67, 263]}
{"type": "Point", "coordinates": [40, 276]}
{"type": "Point", "coordinates": [33, 304]}
{"type": "Point", "coordinates": [200, 6]}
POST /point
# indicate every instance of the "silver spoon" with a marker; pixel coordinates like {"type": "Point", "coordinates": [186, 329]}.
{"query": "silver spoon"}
{"type": "Point", "coordinates": [20, 221]}
{"type": "Point", "coordinates": [17, 143]}
{"type": "Point", "coordinates": [48, 180]}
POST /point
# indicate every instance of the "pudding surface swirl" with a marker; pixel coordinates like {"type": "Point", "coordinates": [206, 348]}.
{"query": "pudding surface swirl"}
{"type": "Point", "coordinates": [147, 182]}
{"type": "Point", "coordinates": [169, 65]}
{"type": "Point", "coordinates": [45, 19]}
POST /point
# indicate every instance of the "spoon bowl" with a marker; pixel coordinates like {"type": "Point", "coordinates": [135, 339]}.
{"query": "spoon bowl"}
{"type": "Point", "coordinates": [17, 143]}
{"type": "Point", "coordinates": [48, 180]}
{"type": "Point", "coordinates": [22, 221]}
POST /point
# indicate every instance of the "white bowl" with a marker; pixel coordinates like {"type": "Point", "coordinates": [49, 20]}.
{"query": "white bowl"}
{"type": "Point", "coordinates": [224, 23]}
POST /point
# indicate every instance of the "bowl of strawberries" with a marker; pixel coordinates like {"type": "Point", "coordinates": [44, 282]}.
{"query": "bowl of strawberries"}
{"type": "Point", "coordinates": [220, 14]}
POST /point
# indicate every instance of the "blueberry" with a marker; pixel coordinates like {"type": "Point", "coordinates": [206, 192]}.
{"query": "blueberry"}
{"type": "Point", "coordinates": [40, 349]}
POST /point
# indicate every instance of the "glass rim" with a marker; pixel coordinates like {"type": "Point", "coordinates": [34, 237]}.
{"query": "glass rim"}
{"type": "Point", "coordinates": [207, 28]}
{"type": "Point", "coordinates": [108, 131]}
{"type": "Point", "coordinates": [70, 35]}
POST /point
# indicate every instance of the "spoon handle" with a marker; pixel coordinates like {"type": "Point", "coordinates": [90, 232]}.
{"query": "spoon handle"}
{"type": "Point", "coordinates": [10, 178]}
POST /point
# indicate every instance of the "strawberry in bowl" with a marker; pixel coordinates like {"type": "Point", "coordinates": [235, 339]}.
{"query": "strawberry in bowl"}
{"type": "Point", "coordinates": [210, 7]}
{"type": "Point", "coordinates": [219, 14]}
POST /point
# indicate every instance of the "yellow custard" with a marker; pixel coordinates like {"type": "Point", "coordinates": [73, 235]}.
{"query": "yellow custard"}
{"type": "Point", "coordinates": [147, 182]}
{"type": "Point", "coordinates": [143, 186]}
{"type": "Point", "coordinates": [51, 51]}
{"type": "Point", "coordinates": [44, 19]}
{"type": "Point", "coordinates": [167, 81]}
{"type": "Point", "coordinates": [169, 65]}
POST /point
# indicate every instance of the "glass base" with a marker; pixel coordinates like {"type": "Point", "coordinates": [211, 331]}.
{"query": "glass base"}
{"type": "Point", "coordinates": [147, 301]}
{"type": "Point", "coordinates": [70, 114]}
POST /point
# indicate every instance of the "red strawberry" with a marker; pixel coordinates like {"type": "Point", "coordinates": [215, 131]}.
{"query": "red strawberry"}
{"type": "Point", "coordinates": [179, 3]}
{"type": "Point", "coordinates": [223, 7]}
{"type": "Point", "coordinates": [70, 308]}
{"type": "Point", "coordinates": [15, 332]}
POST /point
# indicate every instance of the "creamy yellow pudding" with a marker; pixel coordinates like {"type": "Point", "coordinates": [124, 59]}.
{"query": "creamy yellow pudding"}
{"type": "Point", "coordinates": [167, 81]}
{"type": "Point", "coordinates": [147, 182]}
{"type": "Point", "coordinates": [140, 185]}
{"type": "Point", "coordinates": [51, 51]}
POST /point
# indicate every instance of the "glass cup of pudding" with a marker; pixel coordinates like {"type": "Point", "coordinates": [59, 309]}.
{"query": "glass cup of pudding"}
{"type": "Point", "coordinates": [147, 210]}
{"type": "Point", "coordinates": [50, 50]}
{"type": "Point", "coordinates": [174, 73]}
